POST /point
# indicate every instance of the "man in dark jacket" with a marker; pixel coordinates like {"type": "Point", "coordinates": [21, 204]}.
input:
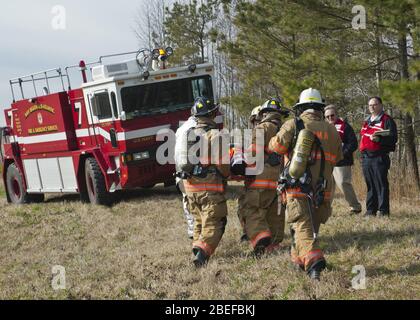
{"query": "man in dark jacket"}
{"type": "Point", "coordinates": [342, 171]}
{"type": "Point", "coordinates": [378, 138]}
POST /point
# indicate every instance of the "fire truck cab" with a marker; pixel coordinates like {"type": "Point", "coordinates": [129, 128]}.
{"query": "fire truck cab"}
{"type": "Point", "coordinates": [101, 137]}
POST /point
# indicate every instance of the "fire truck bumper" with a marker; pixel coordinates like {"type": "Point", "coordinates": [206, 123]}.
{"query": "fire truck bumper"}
{"type": "Point", "coordinates": [146, 174]}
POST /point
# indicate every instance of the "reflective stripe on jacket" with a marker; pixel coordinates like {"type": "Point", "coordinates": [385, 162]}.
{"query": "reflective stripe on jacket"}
{"type": "Point", "coordinates": [199, 186]}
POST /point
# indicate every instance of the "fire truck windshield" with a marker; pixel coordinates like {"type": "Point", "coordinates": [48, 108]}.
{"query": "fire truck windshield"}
{"type": "Point", "coordinates": [165, 96]}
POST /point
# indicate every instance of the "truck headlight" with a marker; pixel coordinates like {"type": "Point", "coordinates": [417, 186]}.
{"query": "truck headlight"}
{"type": "Point", "coordinates": [141, 155]}
{"type": "Point", "coordinates": [137, 156]}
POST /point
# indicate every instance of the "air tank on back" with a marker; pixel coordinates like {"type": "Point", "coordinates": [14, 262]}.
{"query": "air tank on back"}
{"type": "Point", "coordinates": [301, 153]}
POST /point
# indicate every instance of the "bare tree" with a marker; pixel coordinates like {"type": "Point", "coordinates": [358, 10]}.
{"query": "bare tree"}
{"type": "Point", "coordinates": [228, 84]}
{"type": "Point", "coordinates": [149, 23]}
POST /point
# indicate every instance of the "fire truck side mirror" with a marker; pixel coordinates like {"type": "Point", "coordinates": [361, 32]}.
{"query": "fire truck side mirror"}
{"type": "Point", "coordinates": [155, 54]}
{"type": "Point", "coordinates": [123, 116]}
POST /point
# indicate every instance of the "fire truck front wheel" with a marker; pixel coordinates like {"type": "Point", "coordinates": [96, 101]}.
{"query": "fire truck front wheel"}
{"type": "Point", "coordinates": [15, 187]}
{"type": "Point", "coordinates": [95, 183]}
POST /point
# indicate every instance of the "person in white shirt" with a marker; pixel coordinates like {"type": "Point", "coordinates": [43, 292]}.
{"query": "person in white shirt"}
{"type": "Point", "coordinates": [182, 130]}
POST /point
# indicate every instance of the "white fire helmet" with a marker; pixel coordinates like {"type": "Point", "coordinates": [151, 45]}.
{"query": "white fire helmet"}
{"type": "Point", "coordinates": [255, 111]}
{"type": "Point", "coordinates": [310, 97]}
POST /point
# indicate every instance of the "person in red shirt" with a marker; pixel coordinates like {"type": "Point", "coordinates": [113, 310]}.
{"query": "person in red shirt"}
{"type": "Point", "coordinates": [342, 171]}
{"type": "Point", "coordinates": [378, 138]}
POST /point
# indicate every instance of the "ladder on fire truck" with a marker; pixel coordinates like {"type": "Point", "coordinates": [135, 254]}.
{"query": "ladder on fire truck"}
{"type": "Point", "coordinates": [57, 73]}
{"type": "Point", "coordinates": [46, 76]}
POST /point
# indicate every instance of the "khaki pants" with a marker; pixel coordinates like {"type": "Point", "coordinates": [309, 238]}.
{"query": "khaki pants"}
{"type": "Point", "coordinates": [260, 211]}
{"type": "Point", "coordinates": [210, 216]}
{"type": "Point", "coordinates": [305, 249]}
{"type": "Point", "coordinates": [342, 178]}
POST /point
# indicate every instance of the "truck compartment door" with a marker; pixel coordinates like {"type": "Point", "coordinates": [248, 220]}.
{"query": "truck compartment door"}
{"type": "Point", "coordinates": [50, 175]}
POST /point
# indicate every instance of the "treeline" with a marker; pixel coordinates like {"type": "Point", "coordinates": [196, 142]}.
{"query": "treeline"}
{"type": "Point", "coordinates": [349, 50]}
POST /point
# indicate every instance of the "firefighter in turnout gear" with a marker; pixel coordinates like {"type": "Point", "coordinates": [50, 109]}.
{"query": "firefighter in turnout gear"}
{"type": "Point", "coordinates": [264, 222]}
{"type": "Point", "coordinates": [205, 184]}
{"type": "Point", "coordinates": [254, 120]}
{"type": "Point", "coordinates": [306, 183]}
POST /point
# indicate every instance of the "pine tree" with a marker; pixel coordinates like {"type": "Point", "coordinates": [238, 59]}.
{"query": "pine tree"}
{"type": "Point", "coordinates": [284, 46]}
{"type": "Point", "coordinates": [188, 31]}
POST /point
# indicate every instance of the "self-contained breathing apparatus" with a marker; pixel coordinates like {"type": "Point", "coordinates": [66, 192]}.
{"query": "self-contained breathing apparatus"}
{"type": "Point", "coordinates": [297, 174]}
{"type": "Point", "coordinates": [203, 106]}
{"type": "Point", "coordinates": [187, 168]}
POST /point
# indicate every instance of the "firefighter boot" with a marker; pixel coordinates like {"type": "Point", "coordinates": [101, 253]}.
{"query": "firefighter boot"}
{"type": "Point", "coordinates": [200, 257]}
{"type": "Point", "coordinates": [314, 271]}
{"type": "Point", "coordinates": [261, 246]}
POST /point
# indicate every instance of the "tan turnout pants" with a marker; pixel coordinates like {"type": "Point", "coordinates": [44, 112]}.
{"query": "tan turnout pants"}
{"type": "Point", "coordinates": [305, 249]}
{"type": "Point", "coordinates": [210, 216]}
{"type": "Point", "coordinates": [261, 215]}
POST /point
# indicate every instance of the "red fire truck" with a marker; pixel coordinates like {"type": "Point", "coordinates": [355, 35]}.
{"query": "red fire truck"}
{"type": "Point", "coordinates": [101, 137]}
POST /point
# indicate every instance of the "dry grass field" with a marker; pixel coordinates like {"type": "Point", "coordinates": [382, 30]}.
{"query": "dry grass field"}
{"type": "Point", "coordinates": [138, 249]}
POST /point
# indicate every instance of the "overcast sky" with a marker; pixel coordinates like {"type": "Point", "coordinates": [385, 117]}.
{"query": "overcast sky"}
{"type": "Point", "coordinates": [29, 42]}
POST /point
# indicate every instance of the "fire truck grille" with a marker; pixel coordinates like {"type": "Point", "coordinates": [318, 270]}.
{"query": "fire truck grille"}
{"type": "Point", "coordinates": [147, 169]}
